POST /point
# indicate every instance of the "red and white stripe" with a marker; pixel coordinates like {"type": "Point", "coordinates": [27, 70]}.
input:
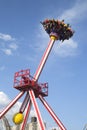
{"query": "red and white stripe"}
{"type": "Point", "coordinates": [43, 60]}
{"type": "Point", "coordinates": [26, 115]}
{"type": "Point", "coordinates": [11, 104]}
{"type": "Point", "coordinates": [40, 121]}
{"type": "Point", "coordinates": [62, 127]}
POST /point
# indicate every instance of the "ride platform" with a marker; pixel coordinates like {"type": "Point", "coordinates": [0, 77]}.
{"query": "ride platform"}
{"type": "Point", "coordinates": [23, 81]}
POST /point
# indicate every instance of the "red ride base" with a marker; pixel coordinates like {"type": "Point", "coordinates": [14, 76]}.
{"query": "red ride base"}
{"type": "Point", "coordinates": [23, 81]}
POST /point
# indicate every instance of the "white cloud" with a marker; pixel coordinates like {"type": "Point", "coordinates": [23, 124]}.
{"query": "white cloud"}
{"type": "Point", "coordinates": [4, 101]}
{"type": "Point", "coordinates": [43, 38]}
{"type": "Point", "coordinates": [8, 46]}
{"type": "Point", "coordinates": [66, 48]}
{"type": "Point", "coordinates": [13, 46]}
{"type": "Point", "coordinates": [62, 49]}
{"type": "Point", "coordinates": [13, 110]}
{"type": "Point", "coordinates": [7, 51]}
{"type": "Point", "coordinates": [76, 12]}
{"type": "Point", "coordinates": [72, 15]}
{"type": "Point", "coordinates": [6, 37]}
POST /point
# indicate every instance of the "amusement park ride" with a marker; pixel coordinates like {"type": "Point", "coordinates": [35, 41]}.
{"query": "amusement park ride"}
{"type": "Point", "coordinates": [25, 83]}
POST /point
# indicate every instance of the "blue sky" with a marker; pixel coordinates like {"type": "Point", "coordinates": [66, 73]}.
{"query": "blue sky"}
{"type": "Point", "coordinates": [22, 43]}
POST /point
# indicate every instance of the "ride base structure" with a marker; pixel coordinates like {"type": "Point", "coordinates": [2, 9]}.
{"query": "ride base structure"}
{"type": "Point", "coordinates": [25, 83]}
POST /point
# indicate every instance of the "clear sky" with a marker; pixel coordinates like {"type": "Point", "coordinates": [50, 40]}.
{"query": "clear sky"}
{"type": "Point", "coordinates": [22, 43]}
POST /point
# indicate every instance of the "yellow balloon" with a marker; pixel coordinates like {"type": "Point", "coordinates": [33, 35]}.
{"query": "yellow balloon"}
{"type": "Point", "coordinates": [18, 118]}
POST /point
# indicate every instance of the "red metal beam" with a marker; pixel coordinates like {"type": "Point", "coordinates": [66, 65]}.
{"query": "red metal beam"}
{"type": "Point", "coordinates": [26, 115]}
{"type": "Point", "coordinates": [57, 120]}
{"type": "Point", "coordinates": [33, 100]}
{"type": "Point", "coordinates": [43, 60]}
{"type": "Point", "coordinates": [25, 102]}
{"type": "Point", "coordinates": [11, 104]}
